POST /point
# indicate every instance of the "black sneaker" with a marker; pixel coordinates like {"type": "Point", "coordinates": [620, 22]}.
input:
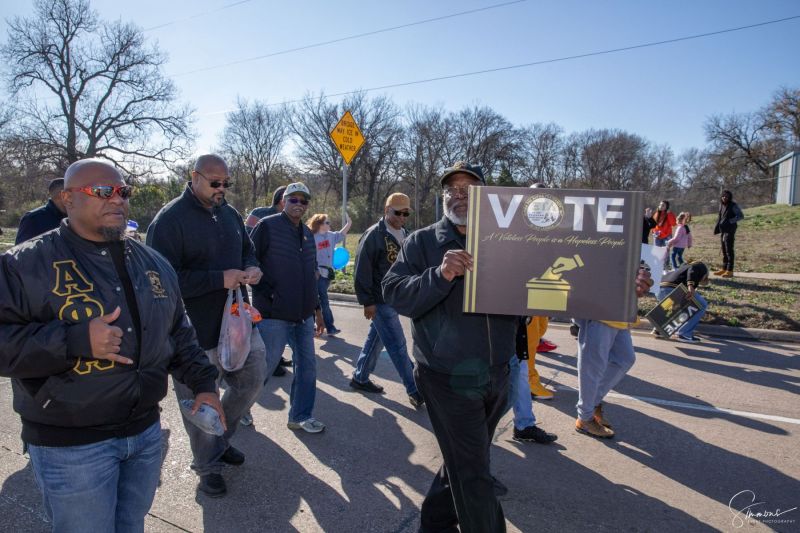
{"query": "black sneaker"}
{"type": "Point", "coordinates": [334, 332]}
{"type": "Point", "coordinates": [284, 362]}
{"type": "Point", "coordinates": [279, 371]}
{"type": "Point", "coordinates": [232, 456]}
{"type": "Point", "coordinates": [367, 386]}
{"type": "Point", "coordinates": [213, 485]}
{"type": "Point", "coordinates": [534, 434]}
{"type": "Point", "coordinates": [416, 400]}
{"type": "Point", "coordinates": [573, 330]}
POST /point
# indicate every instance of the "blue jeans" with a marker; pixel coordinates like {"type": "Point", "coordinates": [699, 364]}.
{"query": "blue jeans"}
{"type": "Point", "coordinates": [386, 330]}
{"type": "Point", "coordinates": [327, 314]}
{"type": "Point", "coordinates": [103, 486]}
{"type": "Point", "coordinates": [243, 388]}
{"type": "Point", "coordinates": [605, 355]}
{"type": "Point", "coordinates": [677, 257]}
{"type": "Point", "coordinates": [519, 394]}
{"type": "Point", "coordinates": [688, 327]}
{"type": "Point", "coordinates": [304, 383]}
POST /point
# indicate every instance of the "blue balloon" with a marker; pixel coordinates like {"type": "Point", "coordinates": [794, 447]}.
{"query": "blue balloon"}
{"type": "Point", "coordinates": [340, 258]}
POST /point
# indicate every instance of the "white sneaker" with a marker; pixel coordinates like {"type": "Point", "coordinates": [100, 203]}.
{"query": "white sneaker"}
{"type": "Point", "coordinates": [310, 425]}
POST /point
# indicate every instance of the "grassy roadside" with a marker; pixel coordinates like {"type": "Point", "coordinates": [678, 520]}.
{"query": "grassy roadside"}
{"type": "Point", "coordinates": [767, 241]}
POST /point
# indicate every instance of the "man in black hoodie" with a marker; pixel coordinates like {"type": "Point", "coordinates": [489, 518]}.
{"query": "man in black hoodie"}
{"type": "Point", "coordinates": [727, 222]}
{"type": "Point", "coordinates": [204, 240]}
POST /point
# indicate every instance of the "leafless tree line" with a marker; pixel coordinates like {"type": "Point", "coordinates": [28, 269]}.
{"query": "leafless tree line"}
{"type": "Point", "coordinates": [83, 87]}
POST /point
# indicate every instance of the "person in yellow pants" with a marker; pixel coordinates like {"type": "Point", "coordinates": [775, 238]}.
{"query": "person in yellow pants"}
{"type": "Point", "coordinates": [536, 329]}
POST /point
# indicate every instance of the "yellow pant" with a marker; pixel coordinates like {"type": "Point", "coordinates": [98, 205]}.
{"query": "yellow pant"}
{"type": "Point", "coordinates": [535, 330]}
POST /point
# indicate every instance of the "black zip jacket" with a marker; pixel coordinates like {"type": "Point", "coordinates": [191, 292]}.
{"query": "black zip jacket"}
{"type": "Point", "coordinates": [446, 339]}
{"type": "Point", "coordinates": [377, 251]}
{"type": "Point", "coordinates": [38, 221]}
{"type": "Point", "coordinates": [52, 286]}
{"type": "Point", "coordinates": [728, 218]}
{"type": "Point", "coordinates": [201, 244]}
{"type": "Point", "coordinates": [288, 258]}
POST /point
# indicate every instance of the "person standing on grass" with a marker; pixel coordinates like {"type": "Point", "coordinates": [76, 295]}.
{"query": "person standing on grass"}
{"type": "Point", "coordinates": [727, 221]}
{"type": "Point", "coordinates": [326, 240]}
{"type": "Point", "coordinates": [681, 240]}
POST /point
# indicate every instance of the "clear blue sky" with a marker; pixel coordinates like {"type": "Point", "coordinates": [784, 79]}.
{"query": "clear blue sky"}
{"type": "Point", "coordinates": [663, 93]}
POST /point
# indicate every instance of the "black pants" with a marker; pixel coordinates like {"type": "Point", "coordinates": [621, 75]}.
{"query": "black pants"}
{"type": "Point", "coordinates": [464, 412]}
{"type": "Point", "coordinates": [727, 249]}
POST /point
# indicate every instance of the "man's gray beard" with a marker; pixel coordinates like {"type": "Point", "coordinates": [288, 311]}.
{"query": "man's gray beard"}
{"type": "Point", "coordinates": [452, 217]}
{"type": "Point", "coordinates": [112, 233]}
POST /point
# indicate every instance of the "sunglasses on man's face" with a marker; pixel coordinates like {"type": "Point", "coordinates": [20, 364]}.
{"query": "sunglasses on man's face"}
{"type": "Point", "coordinates": [296, 200]}
{"type": "Point", "coordinates": [104, 191]}
{"type": "Point", "coordinates": [216, 184]}
{"type": "Point", "coordinates": [401, 213]}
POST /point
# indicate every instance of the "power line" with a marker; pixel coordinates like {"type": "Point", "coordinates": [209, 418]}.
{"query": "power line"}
{"type": "Point", "coordinates": [544, 61]}
{"type": "Point", "coordinates": [554, 60]}
{"type": "Point", "coordinates": [350, 37]}
{"type": "Point", "coordinates": [198, 15]}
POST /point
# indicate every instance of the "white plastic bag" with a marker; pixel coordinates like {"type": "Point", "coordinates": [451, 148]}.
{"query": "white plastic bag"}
{"type": "Point", "coordinates": [234, 335]}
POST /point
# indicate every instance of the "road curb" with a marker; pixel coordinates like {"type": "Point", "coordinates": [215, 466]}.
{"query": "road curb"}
{"type": "Point", "coordinates": [727, 332]}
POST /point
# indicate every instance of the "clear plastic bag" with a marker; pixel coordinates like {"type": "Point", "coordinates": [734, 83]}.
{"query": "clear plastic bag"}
{"type": "Point", "coordinates": [234, 335]}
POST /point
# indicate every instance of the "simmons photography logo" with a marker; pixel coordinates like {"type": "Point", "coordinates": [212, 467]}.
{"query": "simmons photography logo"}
{"type": "Point", "coordinates": [544, 212]}
{"type": "Point", "coordinates": [747, 510]}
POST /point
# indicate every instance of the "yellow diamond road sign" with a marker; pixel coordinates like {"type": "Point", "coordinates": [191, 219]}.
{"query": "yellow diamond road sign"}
{"type": "Point", "coordinates": [347, 137]}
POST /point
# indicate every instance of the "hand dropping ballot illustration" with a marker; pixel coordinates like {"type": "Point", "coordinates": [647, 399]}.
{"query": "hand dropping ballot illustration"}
{"type": "Point", "coordinates": [566, 253]}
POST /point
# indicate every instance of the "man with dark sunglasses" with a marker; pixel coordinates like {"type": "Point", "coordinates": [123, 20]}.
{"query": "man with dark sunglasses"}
{"type": "Point", "coordinates": [204, 239]}
{"type": "Point", "coordinates": [377, 250]}
{"type": "Point", "coordinates": [91, 325]}
{"type": "Point", "coordinates": [288, 300]}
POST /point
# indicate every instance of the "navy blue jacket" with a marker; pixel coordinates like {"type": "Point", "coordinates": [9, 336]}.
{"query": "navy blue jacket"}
{"type": "Point", "coordinates": [200, 244]}
{"type": "Point", "coordinates": [38, 221]}
{"type": "Point", "coordinates": [446, 339]}
{"type": "Point", "coordinates": [288, 258]}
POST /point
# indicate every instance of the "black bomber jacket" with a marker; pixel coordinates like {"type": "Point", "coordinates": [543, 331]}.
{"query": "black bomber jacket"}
{"type": "Point", "coordinates": [51, 287]}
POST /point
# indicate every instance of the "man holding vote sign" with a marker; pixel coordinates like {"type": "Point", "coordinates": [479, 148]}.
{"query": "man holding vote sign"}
{"type": "Point", "coordinates": [464, 336]}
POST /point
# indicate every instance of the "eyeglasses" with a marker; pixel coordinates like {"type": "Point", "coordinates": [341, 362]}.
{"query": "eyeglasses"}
{"type": "Point", "coordinates": [401, 213]}
{"type": "Point", "coordinates": [456, 192]}
{"type": "Point", "coordinates": [296, 200]}
{"type": "Point", "coordinates": [216, 184]}
{"type": "Point", "coordinates": [104, 192]}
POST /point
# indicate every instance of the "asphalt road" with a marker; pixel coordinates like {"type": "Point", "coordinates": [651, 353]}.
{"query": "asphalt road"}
{"type": "Point", "coordinates": [698, 426]}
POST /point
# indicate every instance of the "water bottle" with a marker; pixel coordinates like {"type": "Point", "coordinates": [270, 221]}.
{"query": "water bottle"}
{"type": "Point", "coordinates": [206, 418]}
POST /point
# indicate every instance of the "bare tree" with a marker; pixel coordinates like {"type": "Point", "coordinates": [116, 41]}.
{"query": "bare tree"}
{"type": "Point", "coordinates": [540, 150]}
{"type": "Point", "coordinates": [253, 140]}
{"type": "Point", "coordinates": [481, 135]}
{"type": "Point", "coordinates": [782, 116]}
{"type": "Point", "coordinates": [89, 88]}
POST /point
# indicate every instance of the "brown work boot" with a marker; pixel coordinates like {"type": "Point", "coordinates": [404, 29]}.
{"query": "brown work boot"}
{"type": "Point", "coordinates": [720, 272]}
{"type": "Point", "coordinates": [727, 274]}
{"type": "Point", "coordinates": [599, 418]}
{"type": "Point", "coordinates": [593, 429]}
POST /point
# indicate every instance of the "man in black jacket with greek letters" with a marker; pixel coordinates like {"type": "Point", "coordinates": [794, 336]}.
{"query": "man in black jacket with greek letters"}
{"type": "Point", "coordinates": [91, 324]}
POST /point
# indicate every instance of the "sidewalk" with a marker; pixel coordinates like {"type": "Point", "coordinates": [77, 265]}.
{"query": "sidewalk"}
{"type": "Point", "coordinates": [764, 275]}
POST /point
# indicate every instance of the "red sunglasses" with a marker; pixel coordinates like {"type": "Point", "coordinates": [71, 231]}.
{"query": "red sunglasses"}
{"type": "Point", "coordinates": [104, 191]}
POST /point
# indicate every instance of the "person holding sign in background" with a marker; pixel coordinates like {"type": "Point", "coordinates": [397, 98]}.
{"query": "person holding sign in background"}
{"type": "Point", "coordinates": [692, 275]}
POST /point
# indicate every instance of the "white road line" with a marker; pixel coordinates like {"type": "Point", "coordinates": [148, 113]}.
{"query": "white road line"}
{"type": "Point", "coordinates": [696, 407]}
